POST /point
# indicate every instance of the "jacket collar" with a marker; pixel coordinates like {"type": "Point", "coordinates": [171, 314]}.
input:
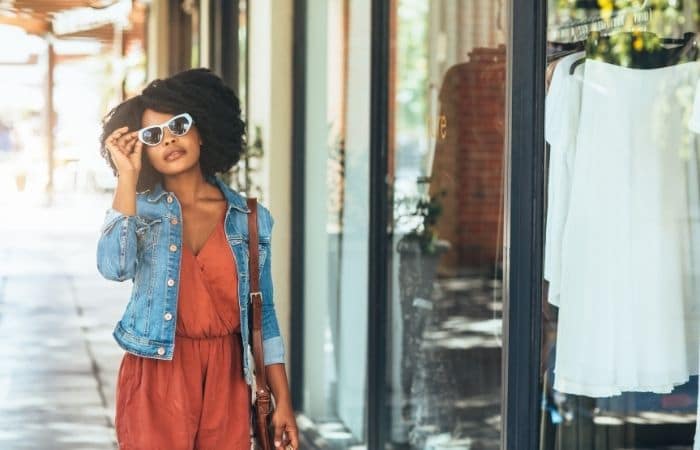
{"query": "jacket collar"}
{"type": "Point", "coordinates": [235, 200]}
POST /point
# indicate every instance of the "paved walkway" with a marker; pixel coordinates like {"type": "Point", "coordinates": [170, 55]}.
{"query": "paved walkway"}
{"type": "Point", "coordinates": [59, 361]}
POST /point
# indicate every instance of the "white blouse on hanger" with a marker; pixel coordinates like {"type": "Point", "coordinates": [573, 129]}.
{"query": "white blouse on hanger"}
{"type": "Point", "coordinates": [695, 118]}
{"type": "Point", "coordinates": [694, 125]}
{"type": "Point", "coordinates": [617, 254]}
{"type": "Point", "coordinates": [562, 106]}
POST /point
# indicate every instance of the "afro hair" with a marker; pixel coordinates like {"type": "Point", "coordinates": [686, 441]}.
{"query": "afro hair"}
{"type": "Point", "coordinates": [215, 108]}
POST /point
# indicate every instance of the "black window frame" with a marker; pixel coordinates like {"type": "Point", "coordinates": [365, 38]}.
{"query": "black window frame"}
{"type": "Point", "coordinates": [525, 218]}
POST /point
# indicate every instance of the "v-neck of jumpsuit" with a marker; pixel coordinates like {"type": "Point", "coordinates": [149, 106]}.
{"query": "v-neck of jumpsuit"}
{"type": "Point", "coordinates": [199, 400]}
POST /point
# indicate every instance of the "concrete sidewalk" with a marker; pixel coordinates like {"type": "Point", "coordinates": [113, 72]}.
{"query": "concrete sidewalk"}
{"type": "Point", "coordinates": [58, 358]}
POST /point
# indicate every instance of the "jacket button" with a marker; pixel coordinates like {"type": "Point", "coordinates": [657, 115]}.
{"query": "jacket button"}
{"type": "Point", "coordinates": [169, 198]}
{"type": "Point", "coordinates": [161, 351]}
{"type": "Point", "coordinates": [168, 316]}
{"type": "Point", "coordinates": [173, 247]}
{"type": "Point", "coordinates": [173, 220]}
{"type": "Point", "coordinates": [171, 282]}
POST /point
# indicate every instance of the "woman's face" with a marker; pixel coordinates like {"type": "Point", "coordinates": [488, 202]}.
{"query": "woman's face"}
{"type": "Point", "coordinates": [188, 145]}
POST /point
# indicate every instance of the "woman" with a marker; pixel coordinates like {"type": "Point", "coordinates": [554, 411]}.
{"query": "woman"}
{"type": "Point", "coordinates": [180, 233]}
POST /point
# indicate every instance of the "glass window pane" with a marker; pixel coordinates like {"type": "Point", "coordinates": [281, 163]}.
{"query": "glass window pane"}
{"type": "Point", "coordinates": [336, 217]}
{"type": "Point", "coordinates": [447, 167]}
{"type": "Point", "coordinates": [621, 307]}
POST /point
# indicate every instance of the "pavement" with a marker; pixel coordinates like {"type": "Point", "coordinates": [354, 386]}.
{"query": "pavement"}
{"type": "Point", "coordinates": [58, 360]}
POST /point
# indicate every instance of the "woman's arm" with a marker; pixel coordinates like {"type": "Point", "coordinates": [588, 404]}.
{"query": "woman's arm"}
{"type": "Point", "coordinates": [116, 248]}
{"type": "Point", "coordinates": [273, 345]}
{"type": "Point", "coordinates": [125, 194]}
{"type": "Point", "coordinates": [283, 418]}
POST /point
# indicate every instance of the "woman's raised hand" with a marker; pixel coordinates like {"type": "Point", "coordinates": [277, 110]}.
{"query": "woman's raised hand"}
{"type": "Point", "coordinates": [125, 151]}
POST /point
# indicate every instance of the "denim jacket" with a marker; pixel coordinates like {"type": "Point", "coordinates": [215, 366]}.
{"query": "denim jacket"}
{"type": "Point", "coordinates": [146, 248]}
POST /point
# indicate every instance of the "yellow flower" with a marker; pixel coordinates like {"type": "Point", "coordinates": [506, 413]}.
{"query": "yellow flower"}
{"type": "Point", "coordinates": [638, 43]}
{"type": "Point", "coordinates": [606, 8]}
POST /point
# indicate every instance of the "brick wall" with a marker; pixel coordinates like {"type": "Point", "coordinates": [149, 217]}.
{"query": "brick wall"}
{"type": "Point", "coordinates": [469, 158]}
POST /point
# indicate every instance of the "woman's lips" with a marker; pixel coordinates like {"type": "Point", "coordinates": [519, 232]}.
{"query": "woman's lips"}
{"type": "Point", "coordinates": [174, 155]}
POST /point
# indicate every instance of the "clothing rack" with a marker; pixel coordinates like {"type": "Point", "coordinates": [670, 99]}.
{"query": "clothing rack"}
{"type": "Point", "coordinates": [577, 30]}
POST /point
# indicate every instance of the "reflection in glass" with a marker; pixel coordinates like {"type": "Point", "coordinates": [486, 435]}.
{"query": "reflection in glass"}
{"type": "Point", "coordinates": [447, 125]}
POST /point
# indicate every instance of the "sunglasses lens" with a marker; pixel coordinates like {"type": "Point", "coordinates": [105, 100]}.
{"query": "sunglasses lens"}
{"type": "Point", "coordinates": [179, 125]}
{"type": "Point", "coordinates": [152, 136]}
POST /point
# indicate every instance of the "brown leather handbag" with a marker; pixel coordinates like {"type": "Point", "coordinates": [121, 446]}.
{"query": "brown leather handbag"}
{"type": "Point", "coordinates": [262, 405]}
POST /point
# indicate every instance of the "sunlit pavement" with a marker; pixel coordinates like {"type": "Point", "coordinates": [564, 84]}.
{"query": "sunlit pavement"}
{"type": "Point", "coordinates": [58, 360]}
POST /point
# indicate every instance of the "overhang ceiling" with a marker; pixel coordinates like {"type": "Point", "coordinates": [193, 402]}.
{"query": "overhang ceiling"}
{"type": "Point", "coordinates": [41, 17]}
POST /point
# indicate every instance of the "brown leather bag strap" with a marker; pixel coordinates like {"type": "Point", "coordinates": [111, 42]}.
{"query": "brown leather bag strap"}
{"type": "Point", "coordinates": [256, 299]}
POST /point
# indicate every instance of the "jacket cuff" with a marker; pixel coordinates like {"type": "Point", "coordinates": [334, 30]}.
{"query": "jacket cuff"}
{"type": "Point", "coordinates": [273, 350]}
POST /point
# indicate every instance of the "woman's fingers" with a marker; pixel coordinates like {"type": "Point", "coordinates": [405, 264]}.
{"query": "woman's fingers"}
{"type": "Point", "coordinates": [116, 134]}
{"type": "Point", "coordinates": [125, 141]}
{"type": "Point", "coordinates": [124, 149]}
{"type": "Point", "coordinates": [111, 141]}
{"type": "Point", "coordinates": [116, 155]}
{"type": "Point", "coordinates": [129, 145]}
{"type": "Point", "coordinates": [293, 434]}
{"type": "Point", "coordinates": [120, 137]}
{"type": "Point", "coordinates": [290, 438]}
{"type": "Point", "coordinates": [135, 155]}
{"type": "Point", "coordinates": [278, 435]}
{"type": "Point", "coordinates": [138, 147]}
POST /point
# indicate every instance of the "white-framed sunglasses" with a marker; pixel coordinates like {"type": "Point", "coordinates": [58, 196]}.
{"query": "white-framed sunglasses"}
{"type": "Point", "coordinates": [178, 125]}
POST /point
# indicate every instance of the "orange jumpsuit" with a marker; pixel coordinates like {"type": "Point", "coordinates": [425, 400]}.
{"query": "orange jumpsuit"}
{"type": "Point", "coordinates": [199, 400]}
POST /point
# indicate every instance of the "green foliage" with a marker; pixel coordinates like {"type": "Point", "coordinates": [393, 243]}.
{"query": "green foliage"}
{"type": "Point", "coordinates": [412, 63]}
{"type": "Point", "coordinates": [427, 210]}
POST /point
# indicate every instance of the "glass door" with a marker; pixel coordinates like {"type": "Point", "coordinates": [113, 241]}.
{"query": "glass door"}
{"type": "Point", "coordinates": [447, 178]}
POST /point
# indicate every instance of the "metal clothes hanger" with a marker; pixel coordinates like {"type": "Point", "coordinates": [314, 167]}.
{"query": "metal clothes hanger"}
{"type": "Point", "coordinates": [688, 46]}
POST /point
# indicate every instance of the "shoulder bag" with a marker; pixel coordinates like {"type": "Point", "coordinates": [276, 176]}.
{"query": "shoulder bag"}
{"type": "Point", "coordinates": [262, 407]}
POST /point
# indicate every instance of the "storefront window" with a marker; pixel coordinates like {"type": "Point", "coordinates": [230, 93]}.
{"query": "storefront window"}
{"type": "Point", "coordinates": [336, 221]}
{"type": "Point", "coordinates": [621, 311]}
{"type": "Point", "coordinates": [447, 176]}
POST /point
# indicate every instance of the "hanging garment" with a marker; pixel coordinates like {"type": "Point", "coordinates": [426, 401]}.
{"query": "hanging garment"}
{"type": "Point", "coordinates": [694, 125]}
{"type": "Point", "coordinates": [562, 106]}
{"type": "Point", "coordinates": [695, 117]}
{"type": "Point", "coordinates": [628, 319]}
{"type": "Point", "coordinates": [200, 399]}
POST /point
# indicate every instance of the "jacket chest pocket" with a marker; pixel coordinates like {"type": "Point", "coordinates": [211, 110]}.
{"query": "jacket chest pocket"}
{"type": "Point", "coordinates": [263, 252]}
{"type": "Point", "coordinates": [147, 232]}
